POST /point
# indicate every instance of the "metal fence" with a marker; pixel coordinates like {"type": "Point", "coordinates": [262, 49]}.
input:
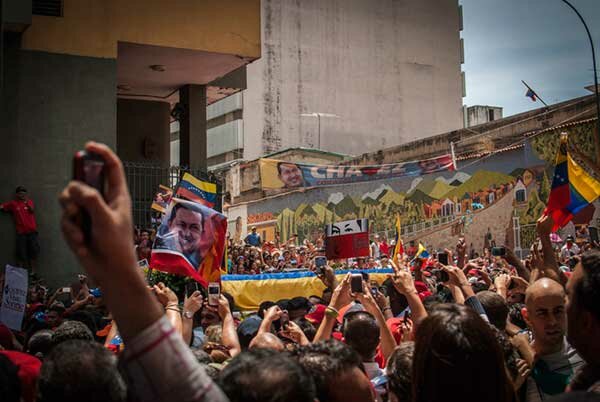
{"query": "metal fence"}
{"type": "Point", "coordinates": [143, 180]}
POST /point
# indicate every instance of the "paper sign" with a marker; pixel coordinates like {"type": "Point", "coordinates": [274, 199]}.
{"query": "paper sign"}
{"type": "Point", "coordinates": [14, 300]}
{"type": "Point", "coordinates": [347, 239]}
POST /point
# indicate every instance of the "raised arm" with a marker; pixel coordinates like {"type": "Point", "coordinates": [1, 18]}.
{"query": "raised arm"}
{"type": "Point", "coordinates": [229, 335]}
{"type": "Point", "coordinates": [404, 284]}
{"type": "Point", "coordinates": [549, 266]}
{"type": "Point", "coordinates": [191, 305]}
{"type": "Point", "coordinates": [340, 298]}
{"type": "Point", "coordinates": [154, 349]}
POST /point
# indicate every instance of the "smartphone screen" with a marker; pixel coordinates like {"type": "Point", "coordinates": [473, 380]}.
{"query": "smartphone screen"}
{"type": "Point", "coordinates": [214, 291]}
{"type": "Point", "coordinates": [320, 261]}
{"type": "Point", "coordinates": [443, 258]}
{"type": "Point", "coordinates": [356, 283]}
{"type": "Point", "coordinates": [190, 288]}
{"type": "Point", "coordinates": [498, 251]}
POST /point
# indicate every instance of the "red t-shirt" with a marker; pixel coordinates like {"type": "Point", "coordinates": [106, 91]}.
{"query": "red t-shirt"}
{"type": "Point", "coordinates": [22, 211]}
{"type": "Point", "coordinates": [384, 248]}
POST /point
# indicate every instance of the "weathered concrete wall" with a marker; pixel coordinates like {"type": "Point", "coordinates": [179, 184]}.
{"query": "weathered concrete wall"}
{"type": "Point", "coordinates": [143, 131]}
{"type": "Point", "coordinates": [390, 70]}
{"type": "Point", "coordinates": [52, 104]}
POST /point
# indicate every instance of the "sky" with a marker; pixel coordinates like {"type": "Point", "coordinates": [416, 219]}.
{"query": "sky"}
{"type": "Point", "coordinates": [539, 41]}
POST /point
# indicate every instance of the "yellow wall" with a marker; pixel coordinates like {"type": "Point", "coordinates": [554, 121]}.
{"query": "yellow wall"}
{"type": "Point", "coordinates": [93, 27]}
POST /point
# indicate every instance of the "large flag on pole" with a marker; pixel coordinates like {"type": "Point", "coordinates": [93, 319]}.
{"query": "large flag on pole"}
{"type": "Point", "coordinates": [398, 247]}
{"type": "Point", "coordinates": [573, 186]}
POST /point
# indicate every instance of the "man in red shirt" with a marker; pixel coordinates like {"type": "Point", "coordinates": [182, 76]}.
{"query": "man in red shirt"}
{"type": "Point", "coordinates": [22, 210]}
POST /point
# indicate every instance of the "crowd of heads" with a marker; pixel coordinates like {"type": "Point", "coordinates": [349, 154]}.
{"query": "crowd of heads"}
{"type": "Point", "coordinates": [452, 325]}
{"type": "Point", "coordinates": [290, 351]}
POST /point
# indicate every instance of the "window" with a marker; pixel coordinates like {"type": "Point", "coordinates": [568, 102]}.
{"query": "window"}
{"type": "Point", "coordinates": [490, 114]}
{"type": "Point", "coordinates": [520, 195]}
{"type": "Point", "coordinates": [50, 8]}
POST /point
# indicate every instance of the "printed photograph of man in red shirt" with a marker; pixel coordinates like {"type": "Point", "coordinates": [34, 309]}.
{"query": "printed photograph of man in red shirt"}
{"type": "Point", "coordinates": [22, 210]}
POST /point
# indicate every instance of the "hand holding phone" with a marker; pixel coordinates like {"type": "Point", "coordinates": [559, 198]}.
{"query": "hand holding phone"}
{"type": "Point", "coordinates": [214, 293]}
{"type": "Point", "coordinates": [442, 258]}
{"type": "Point", "coordinates": [88, 168]}
{"type": "Point", "coordinates": [356, 283]}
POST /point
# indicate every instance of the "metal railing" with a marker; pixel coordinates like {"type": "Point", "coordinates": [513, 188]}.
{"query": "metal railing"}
{"type": "Point", "coordinates": [143, 180]}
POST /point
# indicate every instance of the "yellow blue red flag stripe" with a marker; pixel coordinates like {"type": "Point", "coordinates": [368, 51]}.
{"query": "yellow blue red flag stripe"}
{"type": "Point", "coordinates": [197, 190]}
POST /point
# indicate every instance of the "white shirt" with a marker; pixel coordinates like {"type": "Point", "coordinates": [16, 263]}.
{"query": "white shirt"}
{"type": "Point", "coordinates": [566, 252]}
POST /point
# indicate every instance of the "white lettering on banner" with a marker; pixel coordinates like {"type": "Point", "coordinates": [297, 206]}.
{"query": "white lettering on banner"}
{"type": "Point", "coordinates": [14, 300]}
{"type": "Point", "coordinates": [353, 172]}
{"type": "Point", "coordinates": [332, 172]}
{"type": "Point", "coordinates": [316, 172]}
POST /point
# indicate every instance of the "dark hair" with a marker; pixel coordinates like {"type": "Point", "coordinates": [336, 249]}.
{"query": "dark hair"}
{"type": "Point", "coordinates": [495, 307]}
{"type": "Point", "coordinates": [453, 347]}
{"type": "Point", "coordinates": [587, 290]}
{"type": "Point", "coordinates": [40, 343]}
{"type": "Point", "coordinates": [516, 315]}
{"type": "Point", "coordinates": [399, 371]}
{"type": "Point", "coordinates": [362, 333]}
{"type": "Point", "coordinates": [307, 327]}
{"type": "Point", "coordinates": [10, 385]}
{"type": "Point", "coordinates": [70, 330]}
{"type": "Point", "coordinates": [284, 163]}
{"type": "Point", "coordinates": [263, 375]}
{"type": "Point", "coordinates": [86, 318]}
{"type": "Point", "coordinates": [177, 207]}
{"type": "Point", "coordinates": [509, 352]}
{"type": "Point", "coordinates": [201, 356]}
{"type": "Point", "coordinates": [264, 306]}
{"type": "Point", "coordinates": [325, 361]}
{"type": "Point", "coordinates": [78, 369]}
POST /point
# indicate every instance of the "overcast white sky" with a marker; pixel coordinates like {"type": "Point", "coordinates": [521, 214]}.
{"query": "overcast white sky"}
{"type": "Point", "coordinates": [539, 41]}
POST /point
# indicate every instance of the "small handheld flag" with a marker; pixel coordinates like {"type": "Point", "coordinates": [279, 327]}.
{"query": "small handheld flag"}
{"type": "Point", "coordinates": [197, 190]}
{"type": "Point", "coordinates": [398, 247]}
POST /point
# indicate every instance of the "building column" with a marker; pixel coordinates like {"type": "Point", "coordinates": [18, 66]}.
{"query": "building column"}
{"type": "Point", "coordinates": [192, 127]}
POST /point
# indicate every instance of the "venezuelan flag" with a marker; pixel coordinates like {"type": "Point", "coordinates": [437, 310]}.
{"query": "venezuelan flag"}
{"type": "Point", "coordinates": [197, 190]}
{"type": "Point", "coordinates": [573, 188]}
{"type": "Point", "coordinates": [398, 247]}
{"type": "Point", "coordinates": [422, 252]}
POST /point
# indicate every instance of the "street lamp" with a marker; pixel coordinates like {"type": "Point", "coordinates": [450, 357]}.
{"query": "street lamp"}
{"type": "Point", "coordinates": [318, 115]}
{"type": "Point", "coordinates": [595, 76]}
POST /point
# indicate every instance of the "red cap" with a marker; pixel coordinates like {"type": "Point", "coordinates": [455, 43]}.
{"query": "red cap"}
{"type": "Point", "coordinates": [422, 290]}
{"type": "Point", "coordinates": [29, 371]}
{"type": "Point", "coordinates": [317, 314]}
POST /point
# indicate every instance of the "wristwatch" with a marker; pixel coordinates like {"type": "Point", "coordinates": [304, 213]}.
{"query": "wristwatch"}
{"type": "Point", "coordinates": [188, 314]}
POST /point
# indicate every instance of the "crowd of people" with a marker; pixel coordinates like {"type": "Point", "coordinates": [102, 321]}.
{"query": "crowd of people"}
{"type": "Point", "coordinates": [489, 328]}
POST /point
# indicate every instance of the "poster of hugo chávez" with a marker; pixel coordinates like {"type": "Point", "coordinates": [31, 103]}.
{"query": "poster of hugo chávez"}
{"type": "Point", "coordinates": [190, 241]}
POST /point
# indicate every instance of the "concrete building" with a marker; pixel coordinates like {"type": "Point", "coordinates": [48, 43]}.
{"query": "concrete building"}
{"type": "Point", "coordinates": [348, 76]}
{"type": "Point", "coordinates": [475, 115]}
{"type": "Point", "coordinates": [109, 70]}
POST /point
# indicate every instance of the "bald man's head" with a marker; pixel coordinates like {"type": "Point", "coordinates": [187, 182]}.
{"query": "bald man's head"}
{"type": "Point", "coordinates": [543, 287]}
{"type": "Point", "coordinates": [545, 314]}
{"type": "Point", "coordinates": [267, 340]}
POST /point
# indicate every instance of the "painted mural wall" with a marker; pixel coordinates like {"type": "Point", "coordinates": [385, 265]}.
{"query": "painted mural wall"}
{"type": "Point", "coordinates": [498, 197]}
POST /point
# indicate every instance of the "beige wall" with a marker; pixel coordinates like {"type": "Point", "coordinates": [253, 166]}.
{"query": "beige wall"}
{"type": "Point", "coordinates": [391, 71]}
{"type": "Point", "coordinates": [93, 27]}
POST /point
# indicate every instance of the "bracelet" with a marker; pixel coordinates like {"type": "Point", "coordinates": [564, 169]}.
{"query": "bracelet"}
{"type": "Point", "coordinates": [173, 309]}
{"type": "Point", "coordinates": [331, 312]}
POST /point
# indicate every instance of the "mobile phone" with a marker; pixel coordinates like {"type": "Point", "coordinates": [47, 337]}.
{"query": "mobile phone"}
{"type": "Point", "coordinates": [498, 251]}
{"type": "Point", "coordinates": [356, 283]}
{"type": "Point", "coordinates": [405, 317]}
{"type": "Point", "coordinates": [440, 275]}
{"type": "Point", "coordinates": [190, 288]}
{"type": "Point", "coordinates": [214, 291]}
{"type": "Point", "coordinates": [320, 261]}
{"type": "Point", "coordinates": [66, 290]}
{"type": "Point", "coordinates": [374, 291]}
{"type": "Point", "coordinates": [88, 168]}
{"type": "Point", "coordinates": [442, 258]}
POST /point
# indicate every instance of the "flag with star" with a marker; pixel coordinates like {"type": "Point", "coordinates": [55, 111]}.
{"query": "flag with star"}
{"type": "Point", "coordinates": [573, 186]}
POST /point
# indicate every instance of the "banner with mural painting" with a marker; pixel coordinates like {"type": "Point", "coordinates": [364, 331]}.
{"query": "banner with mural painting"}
{"type": "Point", "coordinates": [276, 174]}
